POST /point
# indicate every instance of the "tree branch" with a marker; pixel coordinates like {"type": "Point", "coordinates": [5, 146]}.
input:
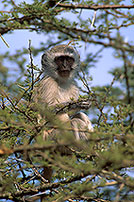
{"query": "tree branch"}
{"type": "Point", "coordinates": [95, 7]}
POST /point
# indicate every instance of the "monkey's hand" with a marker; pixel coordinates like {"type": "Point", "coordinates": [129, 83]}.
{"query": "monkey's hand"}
{"type": "Point", "coordinates": [73, 105]}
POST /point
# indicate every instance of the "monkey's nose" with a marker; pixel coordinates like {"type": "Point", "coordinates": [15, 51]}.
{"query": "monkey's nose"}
{"type": "Point", "coordinates": [65, 63]}
{"type": "Point", "coordinates": [65, 66]}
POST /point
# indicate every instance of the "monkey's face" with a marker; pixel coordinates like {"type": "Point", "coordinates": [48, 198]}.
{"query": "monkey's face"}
{"type": "Point", "coordinates": [61, 62]}
{"type": "Point", "coordinates": [64, 65]}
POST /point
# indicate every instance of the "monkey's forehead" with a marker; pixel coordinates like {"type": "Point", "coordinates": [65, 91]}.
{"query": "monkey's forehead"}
{"type": "Point", "coordinates": [64, 49]}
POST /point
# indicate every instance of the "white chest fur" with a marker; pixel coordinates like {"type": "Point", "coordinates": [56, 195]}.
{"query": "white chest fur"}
{"type": "Point", "coordinates": [48, 91]}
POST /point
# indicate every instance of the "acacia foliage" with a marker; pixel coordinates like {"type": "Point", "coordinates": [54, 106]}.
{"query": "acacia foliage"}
{"type": "Point", "coordinates": [100, 169]}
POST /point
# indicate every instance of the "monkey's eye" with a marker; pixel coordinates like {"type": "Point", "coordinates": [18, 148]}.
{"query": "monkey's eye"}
{"type": "Point", "coordinates": [64, 61]}
{"type": "Point", "coordinates": [70, 50]}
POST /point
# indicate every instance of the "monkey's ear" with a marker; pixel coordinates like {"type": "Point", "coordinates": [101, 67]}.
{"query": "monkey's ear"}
{"type": "Point", "coordinates": [44, 59]}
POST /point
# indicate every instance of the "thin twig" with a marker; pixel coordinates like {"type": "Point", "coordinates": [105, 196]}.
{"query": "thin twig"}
{"type": "Point", "coordinates": [105, 98]}
{"type": "Point", "coordinates": [92, 94]}
{"type": "Point", "coordinates": [4, 41]}
{"type": "Point", "coordinates": [93, 19]}
{"type": "Point", "coordinates": [56, 4]}
{"type": "Point", "coordinates": [127, 87]}
{"type": "Point", "coordinates": [15, 107]}
{"type": "Point", "coordinates": [126, 77]}
{"type": "Point", "coordinates": [37, 79]}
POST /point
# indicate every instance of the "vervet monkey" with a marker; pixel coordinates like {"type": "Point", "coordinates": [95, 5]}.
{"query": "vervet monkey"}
{"type": "Point", "coordinates": [59, 66]}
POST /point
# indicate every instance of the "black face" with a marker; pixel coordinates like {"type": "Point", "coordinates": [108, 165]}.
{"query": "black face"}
{"type": "Point", "coordinates": [64, 65]}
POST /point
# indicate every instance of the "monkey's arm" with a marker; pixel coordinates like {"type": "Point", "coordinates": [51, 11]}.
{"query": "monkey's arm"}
{"type": "Point", "coordinates": [76, 105]}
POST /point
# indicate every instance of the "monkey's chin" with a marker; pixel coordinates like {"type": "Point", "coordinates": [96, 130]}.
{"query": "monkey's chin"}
{"type": "Point", "coordinates": [64, 74]}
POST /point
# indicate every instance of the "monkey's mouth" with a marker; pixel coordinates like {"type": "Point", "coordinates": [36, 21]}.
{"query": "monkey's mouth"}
{"type": "Point", "coordinates": [64, 73]}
